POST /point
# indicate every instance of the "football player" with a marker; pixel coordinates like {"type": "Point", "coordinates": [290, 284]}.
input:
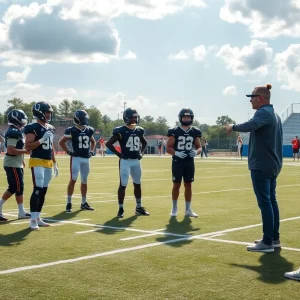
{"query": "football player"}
{"type": "Point", "coordinates": [14, 161]}
{"type": "Point", "coordinates": [83, 145]}
{"type": "Point", "coordinates": [129, 136]}
{"type": "Point", "coordinates": [39, 140]}
{"type": "Point", "coordinates": [184, 144]}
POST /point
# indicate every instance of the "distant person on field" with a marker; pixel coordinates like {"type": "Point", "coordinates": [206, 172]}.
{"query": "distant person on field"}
{"type": "Point", "coordinates": [204, 146]}
{"type": "Point", "coordinates": [296, 146]}
{"type": "Point", "coordinates": [159, 146]}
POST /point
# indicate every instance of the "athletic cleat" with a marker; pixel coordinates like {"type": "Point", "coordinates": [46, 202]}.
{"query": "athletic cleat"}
{"type": "Point", "coordinates": [190, 213]}
{"type": "Point", "coordinates": [173, 212]}
{"type": "Point", "coordinates": [276, 243]}
{"type": "Point", "coordinates": [86, 206]}
{"type": "Point", "coordinates": [293, 275]}
{"type": "Point", "coordinates": [120, 212]}
{"type": "Point", "coordinates": [141, 211]}
{"type": "Point", "coordinates": [24, 215]}
{"type": "Point", "coordinates": [41, 223]}
{"type": "Point", "coordinates": [34, 225]}
{"type": "Point", "coordinates": [2, 219]}
{"type": "Point", "coordinates": [261, 247]}
{"type": "Point", "coordinates": [69, 207]}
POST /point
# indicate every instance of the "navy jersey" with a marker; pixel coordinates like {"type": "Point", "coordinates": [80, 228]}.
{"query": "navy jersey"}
{"type": "Point", "coordinates": [129, 140]}
{"type": "Point", "coordinates": [80, 139]}
{"type": "Point", "coordinates": [43, 151]}
{"type": "Point", "coordinates": [184, 140]}
{"type": "Point", "coordinates": [14, 133]}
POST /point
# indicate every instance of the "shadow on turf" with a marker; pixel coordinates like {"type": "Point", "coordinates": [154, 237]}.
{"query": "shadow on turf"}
{"type": "Point", "coordinates": [65, 216]}
{"type": "Point", "coordinates": [14, 239]}
{"type": "Point", "coordinates": [116, 222]}
{"type": "Point", "coordinates": [272, 267]}
{"type": "Point", "coordinates": [183, 227]}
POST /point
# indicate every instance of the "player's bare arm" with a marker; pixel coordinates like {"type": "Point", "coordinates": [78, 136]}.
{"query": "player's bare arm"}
{"type": "Point", "coordinates": [11, 150]}
{"type": "Point", "coordinates": [144, 144]}
{"type": "Point", "coordinates": [30, 142]}
{"type": "Point", "coordinates": [170, 145]}
{"type": "Point", "coordinates": [110, 144]}
{"type": "Point", "coordinates": [62, 143]}
{"type": "Point", "coordinates": [93, 144]}
{"type": "Point", "coordinates": [197, 144]}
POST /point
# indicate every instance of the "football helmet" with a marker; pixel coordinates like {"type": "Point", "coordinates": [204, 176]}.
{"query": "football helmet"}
{"type": "Point", "coordinates": [40, 108]}
{"type": "Point", "coordinates": [81, 118]}
{"type": "Point", "coordinates": [17, 117]}
{"type": "Point", "coordinates": [131, 116]}
{"type": "Point", "coordinates": [186, 112]}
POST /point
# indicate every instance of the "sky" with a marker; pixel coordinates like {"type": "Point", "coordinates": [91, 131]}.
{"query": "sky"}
{"type": "Point", "coordinates": [157, 56]}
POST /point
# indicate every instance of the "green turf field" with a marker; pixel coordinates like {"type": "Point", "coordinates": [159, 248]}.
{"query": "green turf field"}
{"type": "Point", "coordinates": [94, 255]}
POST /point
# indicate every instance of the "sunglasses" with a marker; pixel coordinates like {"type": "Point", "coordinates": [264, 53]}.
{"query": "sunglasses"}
{"type": "Point", "coordinates": [253, 96]}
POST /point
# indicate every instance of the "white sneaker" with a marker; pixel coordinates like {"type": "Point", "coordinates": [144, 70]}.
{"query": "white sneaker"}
{"type": "Point", "coordinates": [293, 275]}
{"type": "Point", "coordinates": [42, 223]}
{"type": "Point", "coordinates": [24, 215]}
{"type": "Point", "coordinates": [34, 225]}
{"type": "Point", "coordinates": [173, 212]}
{"type": "Point", "coordinates": [190, 213]}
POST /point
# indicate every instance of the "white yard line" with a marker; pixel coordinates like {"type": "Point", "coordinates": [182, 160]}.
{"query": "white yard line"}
{"type": "Point", "coordinates": [122, 250]}
{"type": "Point", "coordinates": [142, 236]}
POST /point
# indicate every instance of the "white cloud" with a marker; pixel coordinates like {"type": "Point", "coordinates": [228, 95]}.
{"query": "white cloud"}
{"type": "Point", "coordinates": [13, 76]}
{"type": "Point", "coordinates": [172, 104]}
{"type": "Point", "coordinates": [66, 92]}
{"type": "Point", "coordinates": [109, 9]}
{"type": "Point", "coordinates": [252, 59]}
{"type": "Point", "coordinates": [287, 65]}
{"type": "Point", "coordinates": [129, 55]}
{"type": "Point", "coordinates": [229, 90]}
{"type": "Point", "coordinates": [199, 53]}
{"type": "Point", "coordinates": [27, 86]}
{"type": "Point", "coordinates": [181, 55]}
{"type": "Point", "coordinates": [114, 105]}
{"type": "Point", "coordinates": [74, 41]}
{"type": "Point", "coordinates": [265, 19]}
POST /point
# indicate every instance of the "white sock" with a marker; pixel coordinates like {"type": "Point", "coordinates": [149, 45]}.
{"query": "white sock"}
{"type": "Point", "coordinates": [21, 208]}
{"type": "Point", "coordinates": [187, 205]}
{"type": "Point", "coordinates": [1, 204]}
{"type": "Point", "coordinates": [174, 203]}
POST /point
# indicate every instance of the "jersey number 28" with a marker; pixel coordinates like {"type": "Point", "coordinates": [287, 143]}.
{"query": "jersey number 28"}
{"type": "Point", "coordinates": [185, 143]}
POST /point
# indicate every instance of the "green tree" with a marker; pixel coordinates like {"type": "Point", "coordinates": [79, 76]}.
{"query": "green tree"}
{"type": "Point", "coordinates": [1, 118]}
{"type": "Point", "coordinates": [223, 120]}
{"type": "Point", "coordinates": [77, 105]}
{"type": "Point", "coordinates": [148, 119]}
{"type": "Point", "coordinates": [64, 109]}
{"type": "Point", "coordinates": [95, 117]}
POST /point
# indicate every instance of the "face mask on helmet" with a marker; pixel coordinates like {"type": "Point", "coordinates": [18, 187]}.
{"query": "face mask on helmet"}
{"type": "Point", "coordinates": [40, 109]}
{"type": "Point", "coordinates": [81, 118]}
{"type": "Point", "coordinates": [131, 117]}
{"type": "Point", "coordinates": [17, 117]}
{"type": "Point", "coordinates": [186, 112]}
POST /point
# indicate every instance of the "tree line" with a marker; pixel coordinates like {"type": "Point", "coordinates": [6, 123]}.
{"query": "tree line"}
{"type": "Point", "coordinates": [66, 109]}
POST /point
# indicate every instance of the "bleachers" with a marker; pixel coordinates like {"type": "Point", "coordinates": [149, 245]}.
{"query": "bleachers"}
{"type": "Point", "coordinates": [291, 128]}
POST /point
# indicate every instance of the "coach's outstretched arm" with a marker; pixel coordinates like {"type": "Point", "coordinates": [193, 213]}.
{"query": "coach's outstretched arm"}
{"type": "Point", "coordinates": [110, 145]}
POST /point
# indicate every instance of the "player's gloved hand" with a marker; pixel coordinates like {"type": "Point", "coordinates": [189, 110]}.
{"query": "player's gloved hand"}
{"type": "Point", "coordinates": [193, 153]}
{"type": "Point", "coordinates": [140, 156]}
{"type": "Point", "coordinates": [46, 136]}
{"type": "Point", "coordinates": [91, 153]}
{"type": "Point", "coordinates": [55, 170]}
{"type": "Point", "coordinates": [70, 153]}
{"type": "Point", "coordinates": [180, 154]}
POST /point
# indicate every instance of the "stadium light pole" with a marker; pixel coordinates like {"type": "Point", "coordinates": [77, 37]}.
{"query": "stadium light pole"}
{"type": "Point", "coordinates": [125, 105]}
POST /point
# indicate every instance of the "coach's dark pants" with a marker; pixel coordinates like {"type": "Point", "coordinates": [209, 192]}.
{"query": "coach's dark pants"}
{"type": "Point", "coordinates": [264, 186]}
